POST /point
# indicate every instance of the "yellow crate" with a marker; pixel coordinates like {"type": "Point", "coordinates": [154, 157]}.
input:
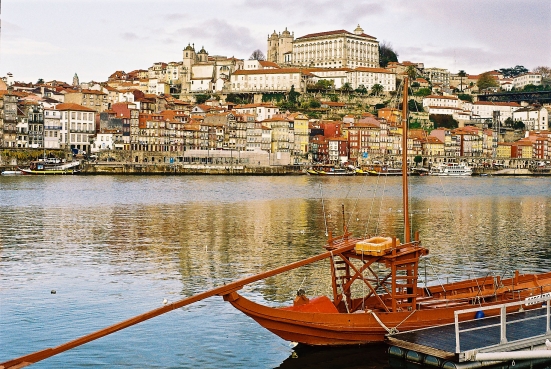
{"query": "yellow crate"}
{"type": "Point", "coordinates": [375, 246]}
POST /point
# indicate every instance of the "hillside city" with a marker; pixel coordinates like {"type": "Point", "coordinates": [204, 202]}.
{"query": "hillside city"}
{"type": "Point", "coordinates": [331, 97]}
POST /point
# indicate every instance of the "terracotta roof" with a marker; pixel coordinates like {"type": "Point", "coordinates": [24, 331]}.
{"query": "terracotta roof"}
{"type": "Point", "coordinates": [268, 64]}
{"type": "Point", "coordinates": [336, 32]}
{"type": "Point", "coordinates": [71, 107]}
{"type": "Point", "coordinates": [267, 71]}
{"type": "Point", "coordinates": [496, 103]}
{"type": "Point", "coordinates": [372, 70]}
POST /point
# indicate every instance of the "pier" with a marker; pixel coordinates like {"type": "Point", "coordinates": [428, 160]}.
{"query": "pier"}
{"type": "Point", "coordinates": [518, 332]}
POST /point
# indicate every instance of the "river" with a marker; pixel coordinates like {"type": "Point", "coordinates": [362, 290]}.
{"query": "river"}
{"type": "Point", "coordinates": [112, 247]}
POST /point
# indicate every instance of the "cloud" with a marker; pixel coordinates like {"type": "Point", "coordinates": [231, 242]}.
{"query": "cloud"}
{"type": "Point", "coordinates": [131, 36]}
{"type": "Point", "coordinates": [175, 16]}
{"type": "Point", "coordinates": [28, 47]}
{"type": "Point", "coordinates": [221, 36]}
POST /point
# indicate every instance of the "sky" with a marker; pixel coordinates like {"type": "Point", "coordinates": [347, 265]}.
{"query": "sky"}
{"type": "Point", "coordinates": [54, 39]}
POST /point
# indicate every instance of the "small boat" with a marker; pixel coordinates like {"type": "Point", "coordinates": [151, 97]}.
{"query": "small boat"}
{"type": "Point", "coordinates": [384, 170]}
{"type": "Point", "coordinates": [451, 169]}
{"type": "Point", "coordinates": [11, 173]}
{"type": "Point", "coordinates": [330, 170]}
{"type": "Point", "coordinates": [49, 168]}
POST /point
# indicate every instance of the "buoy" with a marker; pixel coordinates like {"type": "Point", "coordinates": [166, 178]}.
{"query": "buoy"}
{"type": "Point", "coordinates": [53, 292]}
{"type": "Point", "coordinates": [479, 314]}
{"type": "Point", "coordinates": [165, 301]}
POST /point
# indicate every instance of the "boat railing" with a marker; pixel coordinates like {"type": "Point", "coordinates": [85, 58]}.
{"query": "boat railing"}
{"type": "Point", "coordinates": [503, 318]}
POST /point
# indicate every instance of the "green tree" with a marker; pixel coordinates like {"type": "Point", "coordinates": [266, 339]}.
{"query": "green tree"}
{"type": "Point", "coordinates": [486, 80]}
{"type": "Point", "coordinates": [513, 72]}
{"type": "Point", "coordinates": [417, 159]}
{"type": "Point", "coordinates": [386, 54]}
{"type": "Point", "coordinates": [323, 84]}
{"type": "Point", "coordinates": [509, 122]}
{"type": "Point", "coordinates": [415, 106]}
{"type": "Point", "coordinates": [40, 81]}
{"type": "Point", "coordinates": [519, 125]}
{"type": "Point", "coordinates": [346, 88]}
{"type": "Point", "coordinates": [334, 97]}
{"type": "Point", "coordinates": [462, 75]}
{"type": "Point", "coordinates": [465, 97]}
{"type": "Point", "coordinates": [293, 95]}
{"type": "Point", "coordinates": [425, 91]}
{"type": "Point", "coordinates": [377, 89]}
{"type": "Point", "coordinates": [314, 104]}
{"type": "Point", "coordinates": [361, 89]}
{"type": "Point", "coordinates": [201, 98]}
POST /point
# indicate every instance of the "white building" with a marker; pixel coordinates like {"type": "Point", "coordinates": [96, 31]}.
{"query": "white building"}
{"type": "Point", "coordinates": [52, 129]}
{"type": "Point", "coordinates": [535, 118]}
{"type": "Point", "coordinates": [339, 76]}
{"type": "Point", "coordinates": [78, 124]}
{"type": "Point", "coordinates": [527, 79]}
{"type": "Point", "coordinates": [486, 109]}
{"type": "Point", "coordinates": [372, 76]}
{"type": "Point", "coordinates": [261, 80]}
{"type": "Point", "coordinates": [336, 49]}
{"type": "Point", "coordinates": [259, 111]}
{"type": "Point", "coordinates": [441, 101]}
{"type": "Point", "coordinates": [438, 76]}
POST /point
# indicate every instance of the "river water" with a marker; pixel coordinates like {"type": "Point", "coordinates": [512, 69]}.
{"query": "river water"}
{"type": "Point", "coordinates": [112, 247]}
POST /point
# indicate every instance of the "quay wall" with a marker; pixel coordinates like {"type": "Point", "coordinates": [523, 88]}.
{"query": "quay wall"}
{"type": "Point", "coordinates": [187, 169]}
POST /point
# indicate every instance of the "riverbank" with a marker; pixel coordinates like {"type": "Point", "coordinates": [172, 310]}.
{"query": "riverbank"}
{"type": "Point", "coordinates": [187, 169]}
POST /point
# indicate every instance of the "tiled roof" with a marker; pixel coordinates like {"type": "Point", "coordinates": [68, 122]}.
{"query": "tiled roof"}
{"type": "Point", "coordinates": [330, 33]}
{"type": "Point", "coordinates": [73, 107]}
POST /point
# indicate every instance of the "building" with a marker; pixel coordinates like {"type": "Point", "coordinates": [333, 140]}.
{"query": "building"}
{"type": "Point", "coordinates": [92, 99]}
{"type": "Point", "coordinates": [77, 126]}
{"type": "Point", "coordinates": [368, 77]}
{"type": "Point", "coordinates": [280, 47]}
{"type": "Point", "coordinates": [437, 76]}
{"type": "Point", "coordinates": [487, 109]}
{"type": "Point", "coordinates": [336, 49]}
{"type": "Point", "coordinates": [520, 81]}
{"type": "Point", "coordinates": [534, 117]}
{"type": "Point", "coordinates": [269, 80]}
{"type": "Point", "coordinates": [52, 128]}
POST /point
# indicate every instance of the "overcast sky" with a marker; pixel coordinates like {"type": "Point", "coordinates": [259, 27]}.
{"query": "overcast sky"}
{"type": "Point", "coordinates": [53, 39]}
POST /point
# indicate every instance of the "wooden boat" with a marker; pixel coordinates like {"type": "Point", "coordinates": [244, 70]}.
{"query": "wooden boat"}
{"type": "Point", "coordinates": [49, 168]}
{"type": "Point", "coordinates": [386, 302]}
{"type": "Point", "coordinates": [393, 300]}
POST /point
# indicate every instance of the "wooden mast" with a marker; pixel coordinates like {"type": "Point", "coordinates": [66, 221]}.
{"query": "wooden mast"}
{"type": "Point", "coordinates": [405, 195]}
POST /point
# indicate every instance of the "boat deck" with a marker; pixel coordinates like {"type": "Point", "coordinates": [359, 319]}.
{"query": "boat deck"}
{"type": "Point", "coordinates": [521, 330]}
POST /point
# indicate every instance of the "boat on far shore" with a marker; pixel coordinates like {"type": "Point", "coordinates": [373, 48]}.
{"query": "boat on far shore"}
{"type": "Point", "coordinates": [50, 167]}
{"type": "Point", "coordinates": [11, 173]}
{"type": "Point", "coordinates": [451, 170]}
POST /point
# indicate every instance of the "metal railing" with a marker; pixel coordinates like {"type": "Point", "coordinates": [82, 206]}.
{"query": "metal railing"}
{"type": "Point", "coordinates": [532, 300]}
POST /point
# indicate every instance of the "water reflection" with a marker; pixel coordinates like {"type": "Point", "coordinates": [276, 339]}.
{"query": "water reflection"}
{"type": "Point", "coordinates": [114, 247]}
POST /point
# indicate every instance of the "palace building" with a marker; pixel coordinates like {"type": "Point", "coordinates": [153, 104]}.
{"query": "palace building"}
{"type": "Point", "coordinates": [332, 49]}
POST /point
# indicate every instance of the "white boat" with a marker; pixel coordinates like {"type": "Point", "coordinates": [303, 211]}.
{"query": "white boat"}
{"type": "Point", "coordinates": [12, 173]}
{"type": "Point", "coordinates": [451, 169]}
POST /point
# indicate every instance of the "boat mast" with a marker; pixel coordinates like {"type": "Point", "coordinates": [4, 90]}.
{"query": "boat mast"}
{"type": "Point", "coordinates": [407, 233]}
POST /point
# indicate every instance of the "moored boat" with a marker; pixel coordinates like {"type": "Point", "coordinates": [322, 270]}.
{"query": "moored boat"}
{"type": "Point", "coordinates": [451, 169]}
{"type": "Point", "coordinates": [49, 168]}
{"type": "Point", "coordinates": [11, 173]}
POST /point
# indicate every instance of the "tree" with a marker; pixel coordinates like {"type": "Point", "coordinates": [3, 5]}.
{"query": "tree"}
{"type": "Point", "coordinates": [462, 75]}
{"type": "Point", "coordinates": [417, 159]}
{"type": "Point", "coordinates": [486, 80]}
{"type": "Point", "coordinates": [443, 120]}
{"type": "Point", "coordinates": [314, 104]}
{"type": "Point", "coordinates": [411, 72]}
{"type": "Point", "coordinates": [346, 88]}
{"type": "Point", "coordinates": [425, 91]}
{"type": "Point", "coordinates": [465, 97]}
{"type": "Point", "coordinates": [386, 54]}
{"type": "Point", "coordinates": [545, 74]}
{"type": "Point", "coordinates": [323, 84]}
{"type": "Point", "coordinates": [513, 72]}
{"type": "Point", "coordinates": [377, 89]}
{"type": "Point", "coordinates": [361, 89]}
{"type": "Point", "coordinates": [257, 55]}
{"type": "Point", "coordinates": [40, 81]}
{"type": "Point", "coordinates": [293, 95]}
{"type": "Point", "coordinates": [415, 106]}
{"type": "Point", "coordinates": [201, 98]}
{"type": "Point", "coordinates": [519, 125]}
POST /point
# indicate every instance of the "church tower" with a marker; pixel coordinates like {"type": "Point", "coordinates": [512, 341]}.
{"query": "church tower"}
{"type": "Point", "coordinates": [273, 42]}
{"type": "Point", "coordinates": [75, 81]}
